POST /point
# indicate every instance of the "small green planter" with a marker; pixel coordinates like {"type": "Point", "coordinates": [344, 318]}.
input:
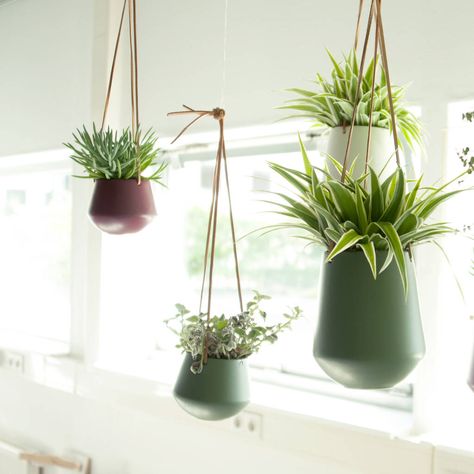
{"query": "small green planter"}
{"type": "Point", "coordinates": [369, 336]}
{"type": "Point", "coordinates": [220, 391]}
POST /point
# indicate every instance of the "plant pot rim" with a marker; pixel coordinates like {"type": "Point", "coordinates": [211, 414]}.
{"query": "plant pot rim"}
{"type": "Point", "coordinates": [121, 179]}
{"type": "Point", "coordinates": [347, 127]}
{"type": "Point", "coordinates": [360, 251]}
{"type": "Point", "coordinates": [220, 359]}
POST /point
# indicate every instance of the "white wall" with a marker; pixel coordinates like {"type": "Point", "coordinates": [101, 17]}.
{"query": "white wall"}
{"type": "Point", "coordinates": [46, 63]}
{"type": "Point", "coordinates": [51, 82]}
{"type": "Point", "coordinates": [138, 434]}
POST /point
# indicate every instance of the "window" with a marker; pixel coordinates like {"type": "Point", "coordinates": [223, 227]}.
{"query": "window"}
{"type": "Point", "coordinates": [145, 275]}
{"type": "Point", "coordinates": [458, 282]}
{"type": "Point", "coordinates": [35, 224]}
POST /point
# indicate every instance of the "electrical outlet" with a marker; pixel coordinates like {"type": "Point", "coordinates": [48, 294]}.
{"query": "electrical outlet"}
{"type": "Point", "coordinates": [248, 424]}
{"type": "Point", "coordinates": [13, 361]}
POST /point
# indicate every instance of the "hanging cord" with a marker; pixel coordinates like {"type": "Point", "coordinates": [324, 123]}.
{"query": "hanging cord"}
{"type": "Point", "coordinates": [112, 69]}
{"type": "Point", "coordinates": [132, 21]}
{"type": "Point", "coordinates": [209, 254]}
{"type": "Point", "coordinates": [383, 50]}
{"type": "Point", "coordinates": [375, 12]}
{"type": "Point", "coordinates": [359, 82]}
{"type": "Point", "coordinates": [224, 52]}
{"type": "Point", "coordinates": [372, 94]}
{"type": "Point", "coordinates": [359, 16]}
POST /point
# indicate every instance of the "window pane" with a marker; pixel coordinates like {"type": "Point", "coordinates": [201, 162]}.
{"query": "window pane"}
{"type": "Point", "coordinates": [35, 223]}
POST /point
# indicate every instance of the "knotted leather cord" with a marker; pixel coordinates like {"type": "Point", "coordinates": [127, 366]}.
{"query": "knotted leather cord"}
{"type": "Point", "coordinates": [359, 16]}
{"type": "Point", "coordinates": [209, 254]}
{"type": "Point", "coordinates": [132, 20]}
{"type": "Point", "coordinates": [375, 11]}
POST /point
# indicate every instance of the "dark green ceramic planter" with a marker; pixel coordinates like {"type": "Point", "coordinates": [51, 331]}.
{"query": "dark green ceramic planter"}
{"type": "Point", "coordinates": [369, 335]}
{"type": "Point", "coordinates": [220, 391]}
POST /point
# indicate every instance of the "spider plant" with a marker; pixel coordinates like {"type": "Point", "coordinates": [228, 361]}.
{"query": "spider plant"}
{"type": "Point", "coordinates": [345, 216]}
{"type": "Point", "coordinates": [333, 101]}
{"type": "Point", "coordinates": [105, 154]}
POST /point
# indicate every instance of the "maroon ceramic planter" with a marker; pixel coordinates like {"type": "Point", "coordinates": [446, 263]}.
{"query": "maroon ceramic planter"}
{"type": "Point", "coordinates": [122, 206]}
{"type": "Point", "coordinates": [470, 380]}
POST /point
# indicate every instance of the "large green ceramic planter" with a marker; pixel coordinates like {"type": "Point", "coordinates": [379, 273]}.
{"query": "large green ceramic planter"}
{"type": "Point", "coordinates": [220, 391]}
{"type": "Point", "coordinates": [369, 335]}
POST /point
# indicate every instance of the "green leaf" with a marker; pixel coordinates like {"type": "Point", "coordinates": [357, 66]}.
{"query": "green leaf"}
{"type": "Point", "coordinates": [369, 250]}
{"type": "Point", "coordinates": [343, 200]}
{"type": "Point", "coordinates": [348, 240]}
{"type": "Point", "coordinates": [395, 205]}
{"type": "Point", "coordinates": [376, 197]}
{"type": "Point", "coordinates": [361, 212]}
{"type": "Point", "coordinates": [307, 164]}
{"type": "Point", "coordinates": [396, 246]}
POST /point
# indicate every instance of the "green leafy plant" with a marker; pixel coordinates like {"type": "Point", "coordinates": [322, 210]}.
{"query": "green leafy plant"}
{"type": "Point", "coordinates": [106, 154]}
{"type": "Point", "coordinates": [465, 155]}
{"type": "Point", "coordinates": [236, 337]}
{"type": "Point", "coordinates": [348, 217]}
{"type": "Point", "coordinates": [333, 102]}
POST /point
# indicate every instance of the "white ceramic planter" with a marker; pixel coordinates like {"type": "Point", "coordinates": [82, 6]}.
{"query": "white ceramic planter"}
{"type": "Point", "coordinates": [382, 148]}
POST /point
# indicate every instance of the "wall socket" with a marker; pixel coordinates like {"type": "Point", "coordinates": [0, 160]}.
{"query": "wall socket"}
{"type": "Point", "coordinates": [248, 423]}
{"type": "Point", "coordinates": [13, 361]}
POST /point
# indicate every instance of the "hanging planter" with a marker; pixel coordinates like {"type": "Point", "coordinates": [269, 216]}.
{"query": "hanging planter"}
{"type": "Point", "coordinates": [222, 390]}
{"type": "Point", "coordinates": [122, 201]}
{"type": "Point", "coordinates": [369, 333]}
{"type": "Point", "coordinates": [122, 206]}
{"type": "Point", "coordinates": [332, 104]}
{"type": "Point", "coordinates": [380, 150]}
{"type": "Point", "coordinates": [213, 383]}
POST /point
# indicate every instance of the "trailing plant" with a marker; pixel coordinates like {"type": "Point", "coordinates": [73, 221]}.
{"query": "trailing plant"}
{"type": "Point", "coordinates": [106, 154]}
{"type": "Point", "coordinates": [465, 155]}
{"type": "Point", "coordinates": [333, 101]}
{"type": "Point", "coordinates": [346, 216]}
{"type": "Point", "coordinates": [236, 337]}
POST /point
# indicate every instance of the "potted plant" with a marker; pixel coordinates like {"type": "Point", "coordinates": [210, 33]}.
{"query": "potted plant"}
{"type": "Point", "coordinates": [332, 103]}
{"type": "Point", "coordinates": [122, 201]}
{"type": "Point", "coordinates": [213, 383]}
{"type": "Point", "coordinates": [369, 332]}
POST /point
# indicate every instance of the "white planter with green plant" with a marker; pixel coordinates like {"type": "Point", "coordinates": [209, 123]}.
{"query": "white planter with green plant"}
{"type": "Point", "coordinates": [331, 105]}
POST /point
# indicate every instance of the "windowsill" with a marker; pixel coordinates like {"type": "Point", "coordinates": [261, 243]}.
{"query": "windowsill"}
{"type": "Point", "coordinates": [24, 343]}
{"type": "Point", "coordinates": [140, 390]}
{"type": "Point", "coordinates": [273, 397]}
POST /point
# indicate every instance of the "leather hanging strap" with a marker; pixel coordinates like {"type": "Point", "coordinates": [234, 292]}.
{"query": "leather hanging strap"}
{"type": "Point", "coordinates": [359, 17]}
{"type": "Point", "coordinates": [209, 253]}
{"type": "Point", "coordinates": [356, 101]}
{"type": "Point", "coordinates": [383, 53]}
{"type": "Point", "coordinates": [132, 22]}
{"type": "Point", "coordinates": [376, 14]}
{"type": "Point", "coordinates": [372, 93]}
{"type": "Point", "coordinates": [112, 68]}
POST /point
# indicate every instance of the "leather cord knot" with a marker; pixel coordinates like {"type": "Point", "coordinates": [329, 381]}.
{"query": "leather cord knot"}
{"type": "Point", "coordinates": [218, 113]}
